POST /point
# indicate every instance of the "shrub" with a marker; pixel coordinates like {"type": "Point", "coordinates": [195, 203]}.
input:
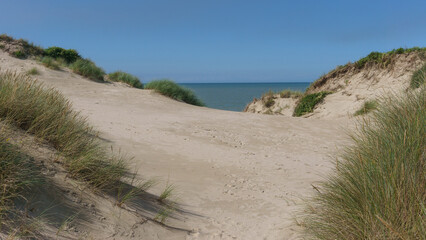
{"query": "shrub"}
{"type": "Point", "coordinates": [69, 55]}
{"type": "Point", "coordinates": [19, 54]}
{"type": "Point", "coordinates": [120, 76]}
{"type": "Point", "coordinates": [367, 107]}
{"type": "Point", "coordinates": [87, 68]}
{"type": "Point", "coordinates": [173, 90]}
{"type": "Point", "coordinates": [33, 71]}
{"type": "Point", "coordinates": [418, 77]}
{"type": "Point", "coordinates": [308, 103]}
{"type": "Point", "coordinates": [49, 62]}
{"type": "Point", "coordinates": [48, 115]}
{"type": "Point", "coordinates": [1, 46]}
{"type": "Point", "coordinates": [378, 189]}
{"type": "Point", "coordinates": [269, 102]}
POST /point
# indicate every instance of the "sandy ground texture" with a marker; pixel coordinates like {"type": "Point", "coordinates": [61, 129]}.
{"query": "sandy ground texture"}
{"type": "Point", "coordinates": [237, 175]}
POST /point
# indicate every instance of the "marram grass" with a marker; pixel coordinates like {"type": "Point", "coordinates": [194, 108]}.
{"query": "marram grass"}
{"type": "Point", "coordinates": [120, 76]}
{"type": "Point", "coordinates": [378, 189]}
{"type": "Point", "coordinates": [171, 89]}
{"type": "Point", "coordinates": [45, 113]}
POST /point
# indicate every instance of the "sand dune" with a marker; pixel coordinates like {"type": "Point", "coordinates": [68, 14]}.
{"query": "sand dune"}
{"type": "Point", "coordinates": [237, 175]}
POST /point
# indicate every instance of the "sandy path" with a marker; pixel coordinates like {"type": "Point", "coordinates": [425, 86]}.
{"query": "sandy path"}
{"type": "Point", "coordinates": [239, 175]}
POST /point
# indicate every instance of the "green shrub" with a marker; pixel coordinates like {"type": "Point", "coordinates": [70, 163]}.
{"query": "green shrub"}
{"type": "Point", "coordinates": [367, 107]}
{"type": "Point", "coordinates": [308, 103]}
{"type": "Point", "coordinates": [87, 68]}
{"type": "Point", "coordinates": [69, 55]}
{"type": "Point", "coordinates": [120, 76]}
{"type": "Point", "coordinates": [33, 71]}
{"type": "Point", "coordinates": [48, 115]}
{"type": "Point", "coordinates": [378, 189]}
{"type": "Point", "coordinates": [173, 90]}
{"type": "Point", "coordinates": [19, 54]}
{"type": "Point", "coordinates": [269, 102]}
{"type": "Point", "coordinates": [418, 78]}
{"type": "Point", "coordinates": [1, 46]}
{"type": "Point", "coordinates": [49, 62]}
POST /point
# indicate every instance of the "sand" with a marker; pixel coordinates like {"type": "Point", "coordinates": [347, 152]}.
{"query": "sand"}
{"type": "Point", "coordinates": [237, 175]}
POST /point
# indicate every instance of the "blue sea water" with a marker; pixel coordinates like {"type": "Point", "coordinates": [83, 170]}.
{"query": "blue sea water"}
{"type": "Point", "coordinates": [235, 96]}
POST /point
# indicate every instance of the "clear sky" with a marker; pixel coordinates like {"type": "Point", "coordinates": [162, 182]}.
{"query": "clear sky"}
{"type": "Point", "coordinates": [219, 40]}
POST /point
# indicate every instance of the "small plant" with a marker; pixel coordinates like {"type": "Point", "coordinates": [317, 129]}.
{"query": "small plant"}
{"type": "Point", "coordinates": [308, 103]}
{"type": "Point", "coordinates": [87, 68]}
{"type": "Point", "coordinates": [269, 102]}
{"type": "Point", "coordinates": [49, 62]}
{"type": "Point", "coordinates": [19, 54]}
{"type": "Point", "coordinates": [167, 192]}
{"type": "Point", "coordinates": [418, 78]}
{"type": "Point", "coordinates": [367, 107]}
{"type": "Point", "coordinates": [2, 46]}
{"type": "Point", "coordinates": [33, 71]}
{"type": "Point", "coordinates": [174, 91]}
{"type": "Point", "coordinates": [120, 76]}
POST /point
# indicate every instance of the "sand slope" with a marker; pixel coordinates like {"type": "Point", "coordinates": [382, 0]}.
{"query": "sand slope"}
{"type": "Point", "coordinates": [238, 175]}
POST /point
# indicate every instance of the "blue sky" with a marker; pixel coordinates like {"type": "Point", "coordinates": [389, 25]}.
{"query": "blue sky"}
{"type": "Point", "coordinates": [219, 40]}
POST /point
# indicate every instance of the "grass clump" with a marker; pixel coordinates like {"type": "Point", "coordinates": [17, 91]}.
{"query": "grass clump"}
{"type": "Point", "coordinates": [418, 78]}
{"type": "Point", "coordinates": [87, 68]}
{"type": "Point", "coordinates": [386, 57]}
{"type": "Point", "coordinates": [120, 76]}
{"type": "Point", "coordinates": [367, 107]}
{"type": "Point", "coordinates": [174, 91]}
{"type": "Point", "coordinates": [287, 93]}
{"type": "Point", "coordinates": [50, 62]}
{"type": "Point", "coordinates": [308, 103]}
{"type": "Point", "coordinates": [33, 71]}
{"type": "Point", "coordinates": [378, 189]}
{"type": "Point", "coordinates": [45, 113]}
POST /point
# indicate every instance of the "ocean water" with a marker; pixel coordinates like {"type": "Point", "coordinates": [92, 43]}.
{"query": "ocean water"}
{"type": "Point", "coordinates": [235, 96]}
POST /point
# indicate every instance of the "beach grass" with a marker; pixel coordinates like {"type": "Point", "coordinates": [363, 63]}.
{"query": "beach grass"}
{"type": "Point", "coordinates": [308, 102]}
{"type": "Point", "coordinates": [173, 90]}
{"type": "Point", "coordinates": [378, 188]}
{"type": "Point", "coordinates": [33, 71]}
{"type": "Point", "coordinates": [51, 63]}
{"type": "Point", "coordinates": [287, 93]}
{"type": "Point", "coordinates": [87, 68]}
{"type": "Point", "coordinates": [45, 113]}
{"type": "Point", "coordinates": [367, 107]}
{"type": "Point", "coordinates": [120, 76]}
{"type": "Point", "coordinates": [418, 78]}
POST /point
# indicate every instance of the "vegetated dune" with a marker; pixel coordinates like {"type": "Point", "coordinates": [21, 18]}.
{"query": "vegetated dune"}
{"type": "Point", "coordinates": [236, 175]}
{"type": "Point", "coordinates": [352, 85]}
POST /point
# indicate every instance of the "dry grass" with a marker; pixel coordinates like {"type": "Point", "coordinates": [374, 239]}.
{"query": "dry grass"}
{"type": "Point", "coordinates": [378, 189]}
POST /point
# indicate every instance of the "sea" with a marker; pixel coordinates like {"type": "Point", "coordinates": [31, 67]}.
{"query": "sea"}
{"type": "Point", "coordinates": [235, 96]}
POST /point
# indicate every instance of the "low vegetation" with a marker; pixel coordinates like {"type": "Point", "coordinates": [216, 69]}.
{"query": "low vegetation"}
{"type": "Point", "coordinates": [171, 89]}
{"type": "Point", "coordinates": [87, 68]}
{"type": "Point", "coordinates": [33, 71]}
{"type": "Point", "coordinates": [418, 78]}
{"type": "Point", "coordinates": [26, 49]}
{"type": "Point", "coordinates": [69, 55]}
{"type": "Point", "coordinates": [48, 115]}
{"type": "Point", "coordinates": [378, 189]}
{"type": "Point", "coordinates": [385, 58]}
{"type": "Point", "coordinates": [287, 93]}
{"type": "Point", "coordinates": [308, 102]}
{"type": "Point", "coordinates": [367, 107]}
{"type": "Point", "coordinates": [120, 76]}
{"type": "Point", "coordinates": [51, 63]}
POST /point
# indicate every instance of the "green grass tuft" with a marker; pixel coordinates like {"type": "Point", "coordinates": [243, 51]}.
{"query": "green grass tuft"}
{"type": "Point", "coordinates": [367, 107]}
{"type": "Point", "coordinates": [378, 189]}
{"type": "Point", "coordinates": [308, 103]}
{"type": "Point", "coordinates": [120, 76]}
{"type": "Point", "coordinates": [33, 71]}
{"type": "Point", "coordinates": [173, 90]}
{"type": "Point", "coordinates": [287, 93]}
{"type": "Point", "coordinates": [19, 54]}
{"type": "Point", "coordinates": [87, 68]}
{"type": "Point", "coordinates": [45, 113]}
{"type": "Point", "coordinates": [418, 78]}
{"type": "Point", "coordinates": [50, 62]}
